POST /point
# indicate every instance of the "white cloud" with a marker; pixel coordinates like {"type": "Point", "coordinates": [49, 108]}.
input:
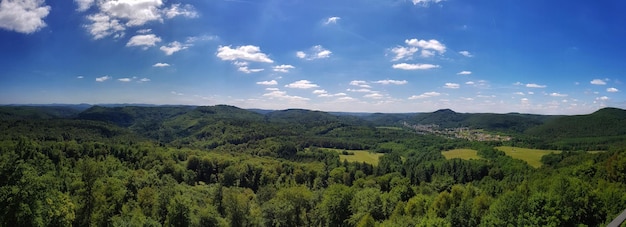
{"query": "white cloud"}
{"type": "Point", "coordinates": [332, 20]}
{"type": "Point", "coordinates": [452, 85]}
{"type": "Point", "coordinates": [520, 93]}
{"type": "Point", "coordinates": [283, 96]}
{"type": "Point", "coordinates": [159, 64]}
{"type": "Point", "coordinates": [248, 53]}
{"type": "Point", "coordinates": [283, 68]}
{"type": "Point", "coordinates": [102, 79]}
{"type": "Point", "coordinates": [143, 40]}
{"type": "Point", "coordinates": [176, 10]}
{"type": "Point", "coordinates": [427, 53]}
{"type": "Point", "coordinates": [245, 69]}
{"type": "Point", "coordinates": [395, 82]}
{"type": "Point", "coordinates": [317, 92]}
{"type": "Point", "coordinates": [470, 83]}
{"type": "Point", "coordinates": [114, 16]}
{"type": "Point", "coordinates": [425, 3]}
{"type": "Point", "coordinates": [174, 47]}
{"type": "Point", "coordinates": [535, 86]}
{"type": "Point", "coordinates": [603, 98]}
{"type": "Point", "coordinates": [272, 89]}
{"type": "Point", "coordinates": [302, 84]}
{"type": "Point", "coordinates": [406, 66]}
{"type": "Point", "coordinates": [363, 90]}
{"type": "Point", "coordinates": [176, 93]}
{"type": "Point", "coordinates": [425, 95]}
{"type": "Point", "coordinates": [374, 96]}
{"type": "Point", "coordinates": [360, 83]}
{"type": "Point", "coordinates": [598, 82]}
{"type": "Point", "coordinates": [525, 101]}
{"type": "Point", "coordinates": [125, 79]}
{"type": "Point", "coordinates": [268, 83]}
{"type": "Point", "coordinates": [555, 94]}
{"type": "Point", "coordinates": [144, 31]}
{"type": "Point", "coordinates": [144, 80]}
{"type": "Point", "coordinates": [466, 53]}
{"type": "Point", "coordinates": [23, 16]}
{"type": "Point", "coordinates": [612, 89]}
{"type": "Point", "coordinates": [315, 52]}
{"type": "Point", "coordinates": [464, 73]}
{"type": "Point", "coordinates": [403, 52]}
{"type": "Point", "coordinates": [427, 44]}
{"type": "Point", "coordinates": [80, 77]}
{"type": "Point", "coordinates": [84, 4]}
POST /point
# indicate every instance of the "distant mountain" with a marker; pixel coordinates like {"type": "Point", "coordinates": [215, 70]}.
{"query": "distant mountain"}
{"type": "Point", "coordinates": [511, 122]}
{"type": "Point", "coordinates": [37, 112]}
{"type": "Point", "coordinates": [604, 122]}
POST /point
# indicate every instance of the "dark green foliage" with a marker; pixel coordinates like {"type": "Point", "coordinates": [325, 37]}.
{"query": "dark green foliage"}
{"type": "Point", "coordinates": [224, 166]}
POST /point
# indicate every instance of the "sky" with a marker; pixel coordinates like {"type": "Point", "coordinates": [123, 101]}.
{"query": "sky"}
{"type": "Point", "coordinates": [534, 56]}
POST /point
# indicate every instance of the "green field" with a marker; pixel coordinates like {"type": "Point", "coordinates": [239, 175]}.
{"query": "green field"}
{"type": "Point", "coordinates": [358, 156]}
{"type": "Point", "coordinates": [530, 156]}
{"type": "Point", "coordinates": [466, 154]}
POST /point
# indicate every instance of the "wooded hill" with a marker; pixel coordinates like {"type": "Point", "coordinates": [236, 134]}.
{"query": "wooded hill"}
{"type": "Point", "coordinates": [226, 166]}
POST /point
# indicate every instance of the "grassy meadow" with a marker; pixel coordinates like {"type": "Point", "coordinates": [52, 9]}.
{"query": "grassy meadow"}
{"type": "Point", "coordinates": [466, 154]}
{"type": "Point", "coordinates": [531, 156]}
{"type": "Point", "coordinates": [358, 156]}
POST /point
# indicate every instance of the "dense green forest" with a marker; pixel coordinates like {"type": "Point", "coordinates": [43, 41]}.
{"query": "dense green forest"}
{"type": "Point", "coordinates": [226, 166]}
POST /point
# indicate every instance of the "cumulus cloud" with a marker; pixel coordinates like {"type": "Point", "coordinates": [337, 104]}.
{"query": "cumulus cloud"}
{"type": "Point", "coordinates": [360, 83]}
{"type": "Point", "coordinates": [332, 20]}
{"type": "Point", "coordinates": [612, 89]}
{"type": "Point", "coordinates": [283, 68]}
{"type": "Point", "coordinates": [466, 53]}
{"type": "Point", "coordinates": [363, 90]}
{"type": "Point", "coordinates": [325, 94]}
{"type": "Point", "coordinates": [427, 45]}
{"type": "Point", "coordinates": [555, 94]}
{"type": "Point", "coordinates": [374, 96]}
{"type": "Point", "coordinates": [403, 52]}
{"type": "Point", "coordinates": [125, 79]}
{"type": "Point", "coordinates": [452, 85]}
{"type": "Point", "coordinates": [23, 16]}
{"type": "Point", "coordinates": [142, 80]}
{"type": "Point", "coordinates": [470, 82]}
{"type": "Point", "coordinates": [535, 86]}
{"type": "Point", "coordinates": [277, 94]}
{"type": "Point", "coordinates": [247, 53]}
{"type": "Point", "coordinates": [80, 77]}
{"type": "Point", "coordinates": [425, 95]}
{"type": "Point", "coordinates": [268, 82]}
{"type": "Point", "coordinates": [302, 84]}
{"type": "Point", "coordinates": [243, 67]}
{"type": "Point", "coordinates": [598, 82]}
{"type": "Point", "coordinates": [144, 41]}
{"type": "Point", "coordinates": [406, 66]}
{"type": "Point", "coordinates": [603, 98]}
{"type": "Point", "coordinates": [315, 52]}
{"type": "Point", "coordinates": [103, 78]}
{"type": "Point", "coordinates": [176, 93]}
{"type": "Point", "coordinates": [425, 3]}
{"type": "Point", "coordinates": [114, 16]}
{"type": "Point", "coordinates": [464, 73]}
{"type": "Point", "coordinates": [178, 10]}
{"type": "Point", "coordinates": [395, 82]}
{"type": "Point", "coordinates": [160, 65]}
{"type": "Point", "coordinates": [174, 47]}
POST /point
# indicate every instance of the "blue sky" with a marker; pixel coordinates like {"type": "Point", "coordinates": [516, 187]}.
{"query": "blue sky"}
{"type": "Point", "coordinates": [535, 56]}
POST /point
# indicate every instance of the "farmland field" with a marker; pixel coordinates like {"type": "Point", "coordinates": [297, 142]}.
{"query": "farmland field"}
{"type": "Point", "coordinates": [466, 154]}
{"type": "Point", "coordinates": [530, 156]}
{"type": "Point", "coordinates": [358, 156]}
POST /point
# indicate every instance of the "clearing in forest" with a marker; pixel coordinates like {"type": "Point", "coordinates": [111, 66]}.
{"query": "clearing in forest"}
{"type": "Point", "coordinates": [530, 156]}
{"type": "Point", "coordinates": [466, 154]}
{"type": "Point", "coordinates": [358, 155]}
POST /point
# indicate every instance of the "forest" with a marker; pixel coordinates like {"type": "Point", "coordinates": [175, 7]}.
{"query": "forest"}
{"type": "Point", "coordinates": [226, 166]}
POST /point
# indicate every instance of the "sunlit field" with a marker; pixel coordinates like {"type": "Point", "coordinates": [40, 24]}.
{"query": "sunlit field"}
{"type": "Point", "coordinates": [466, 154]}
{"type": "Point", "coordinates": [531, 156]}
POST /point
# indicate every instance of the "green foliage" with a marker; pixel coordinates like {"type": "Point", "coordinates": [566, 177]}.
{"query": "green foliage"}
{"type": "Point", "coordinates": [224, 166]}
